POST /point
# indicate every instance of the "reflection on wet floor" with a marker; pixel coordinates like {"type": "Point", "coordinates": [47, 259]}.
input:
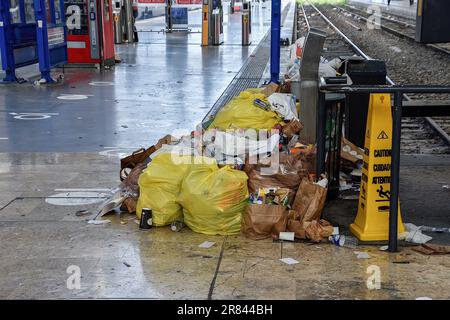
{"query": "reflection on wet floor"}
{"type": "Point", "coordinates": [164, 84]}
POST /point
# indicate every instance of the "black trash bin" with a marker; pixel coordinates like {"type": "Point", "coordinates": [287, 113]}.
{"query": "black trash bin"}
{"type": "Point", "coordinates": [361, 72]}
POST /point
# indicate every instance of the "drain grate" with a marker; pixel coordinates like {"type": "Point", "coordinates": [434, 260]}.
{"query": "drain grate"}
{"type": "Point", "coordinates": [248, 77]}
{"type": "Point", "coordinates": [254, 68]}
{"type": "Point", "coordinates": [233, 89]}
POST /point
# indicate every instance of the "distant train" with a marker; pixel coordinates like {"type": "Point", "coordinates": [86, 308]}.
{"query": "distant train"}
{"type": "Point", "coordinates": [147, 11]}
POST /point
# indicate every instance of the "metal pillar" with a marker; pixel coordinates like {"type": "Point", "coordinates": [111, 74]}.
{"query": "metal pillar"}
{"type": "Point", "coordinates": [216, 25]}
{"type": "Point", "coordinates": [395, 171]}
{"type": "Point", "coordinates": [321, 137]}
{"type": "Point", "coordinates": [246, 23]}
{"type": "Point", "coordinates": [205, 22]}
{"type": "Point", "coordinates": [129, 21]}
{"type": "Point", "coordinates": [42, 40]}
{"type": "Point", "coordinates": [309, 83]}
{"type": "Point", "coordinates": [117, 16]}
{"type": "Point", "coordinates": [275, 33]}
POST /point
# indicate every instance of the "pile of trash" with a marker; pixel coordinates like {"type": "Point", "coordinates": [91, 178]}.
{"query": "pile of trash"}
{"type": "Point", "coordinates": [350, 169]}
{"type": "Point", "coordinates": [248, 173]}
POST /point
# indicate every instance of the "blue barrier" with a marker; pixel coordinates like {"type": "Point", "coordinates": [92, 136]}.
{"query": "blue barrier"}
{"type": "Point", "coordinates": [275, 33]}
{"type": "Point", "coordinates": [17, 36]}
{"type": "Point", "coordinates": [32, 31]}
{"type": "Point", "coordinates": [51, 35]}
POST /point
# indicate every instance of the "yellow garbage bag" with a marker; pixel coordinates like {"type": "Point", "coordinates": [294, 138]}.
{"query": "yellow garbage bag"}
{"type": "Point", "coordinates": [159, 186]}
{"type": "Point", "coordinates": [214, 199]}
{"type": "Point", "coordinates": [241, 113]}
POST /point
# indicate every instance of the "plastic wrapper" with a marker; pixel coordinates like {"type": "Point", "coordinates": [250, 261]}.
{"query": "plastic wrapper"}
{"type": "Point", "coordinates": [284, 105]}
{"type": "Point", "coordinates": [213, 199]}
{"type": "Point", "coordinates": [241, 113]}
{"type": "Point", "coordinates": [235, 146]}
{"type": "Point", "coordinates": [296, 49]}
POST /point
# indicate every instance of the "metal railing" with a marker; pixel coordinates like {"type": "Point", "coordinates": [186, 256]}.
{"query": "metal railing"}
{"type": "Point", "coordinates": [398, 91]}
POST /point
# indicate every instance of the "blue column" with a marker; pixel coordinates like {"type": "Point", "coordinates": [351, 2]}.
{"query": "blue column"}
{"type": "Point", "coordinates": [42, 40]}
{"type": "Point", "coordinates": [6, 42]}
{"type": "Point", "coordinates": [275, 29]}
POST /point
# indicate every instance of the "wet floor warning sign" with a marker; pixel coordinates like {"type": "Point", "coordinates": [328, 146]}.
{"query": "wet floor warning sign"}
{"type": "Point", "coordinates": [372, 219]}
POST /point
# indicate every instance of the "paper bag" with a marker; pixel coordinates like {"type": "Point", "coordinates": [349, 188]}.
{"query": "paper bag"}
{"type": "Point", "coordinates": [318, 230]}
{"type": "Point", "coordinates": [309, 201]}
{"type": "Point", "coordinates": [263, 221]}
{"type": "Point", "coordinates": [296, 227]}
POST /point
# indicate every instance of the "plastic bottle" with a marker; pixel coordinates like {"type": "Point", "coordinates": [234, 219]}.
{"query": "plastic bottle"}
{"type": "Point", "coordinates": [294, 71]}
{"type": "Point", "coordinates": [351, 242]}
{"type": "Point", "coordinates": [342, 241]}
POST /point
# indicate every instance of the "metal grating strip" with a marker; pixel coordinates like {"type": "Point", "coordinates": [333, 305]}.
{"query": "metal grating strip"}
{"type": "Point", "coordinates": [235, 87]}
{"type": "Point", "coordinates": [257, 61]}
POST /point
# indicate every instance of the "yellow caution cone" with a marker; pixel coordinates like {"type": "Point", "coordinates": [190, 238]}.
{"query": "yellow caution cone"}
{"type": "Point", "coordinates": [372, 219]}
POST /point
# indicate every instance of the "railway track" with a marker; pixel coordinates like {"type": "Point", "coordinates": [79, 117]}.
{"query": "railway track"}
{"type": "Point", "coordinates": [419, 135]}
{"type": "Point", "coordinates": [399, 26]}
{"type": "Point", "coordinates": [387, 15]}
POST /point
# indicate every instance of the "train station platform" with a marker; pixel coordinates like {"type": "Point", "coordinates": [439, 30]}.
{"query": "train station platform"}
{"type": "Point", "coordinates": [60, 147]}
